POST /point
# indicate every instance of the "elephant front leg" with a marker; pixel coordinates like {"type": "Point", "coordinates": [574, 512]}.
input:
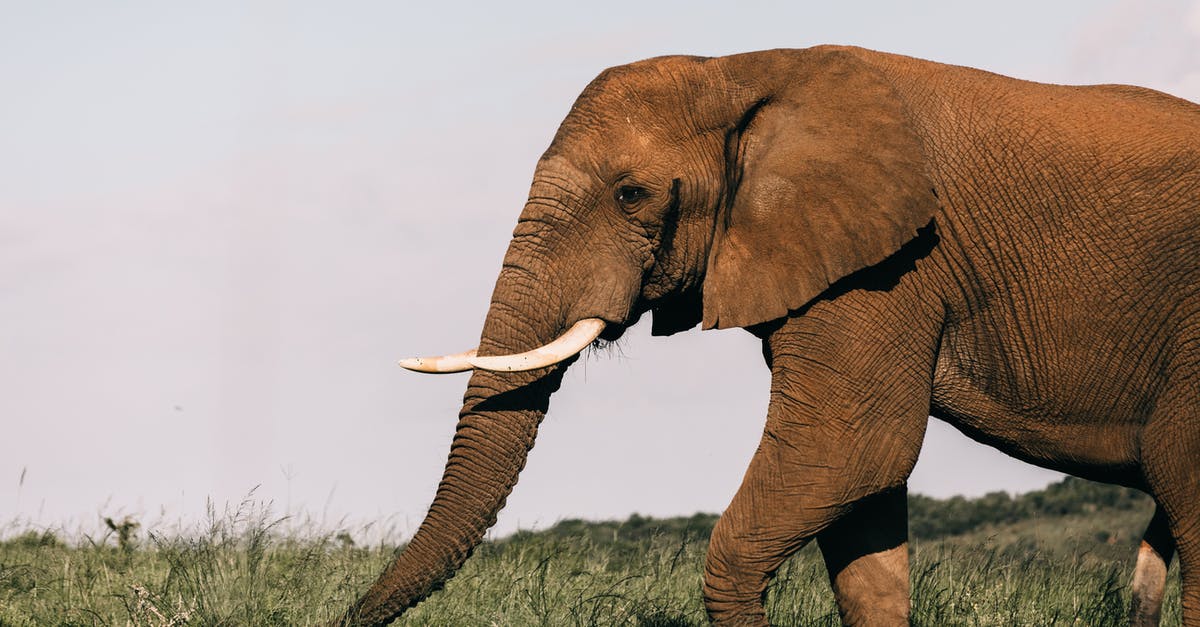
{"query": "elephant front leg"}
{"type": "Point", "coordinates": [849, 405]}
{"type": "Point", "coordinates": [865, 549]}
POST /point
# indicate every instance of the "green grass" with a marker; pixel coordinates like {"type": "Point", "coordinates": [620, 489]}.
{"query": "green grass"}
{"type": "Point", "coordinates": [243, 568]}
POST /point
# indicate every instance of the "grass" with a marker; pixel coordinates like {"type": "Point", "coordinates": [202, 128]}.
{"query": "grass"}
{"type": "Point", "coordinates": [239, 568]}
{"type": "Point", "coordinates": [243, 567]}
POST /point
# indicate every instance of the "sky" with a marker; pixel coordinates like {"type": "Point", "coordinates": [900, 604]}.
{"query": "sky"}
{"type": "Point", "coordinates": [222, 223]}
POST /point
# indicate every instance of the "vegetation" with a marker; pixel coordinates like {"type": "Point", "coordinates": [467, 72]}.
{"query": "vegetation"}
{"type": "Point", "coordinates": [1060, 556]}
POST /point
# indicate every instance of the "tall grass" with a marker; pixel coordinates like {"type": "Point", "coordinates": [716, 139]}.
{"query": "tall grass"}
{"type": "Point", "coordinates": [245, 567]}
{"type": "Point", "coordinates": [237, 568]}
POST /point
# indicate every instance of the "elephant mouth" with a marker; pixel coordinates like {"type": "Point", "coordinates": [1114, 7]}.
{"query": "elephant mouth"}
{"type": "Point", "coordinates": [613, 331]}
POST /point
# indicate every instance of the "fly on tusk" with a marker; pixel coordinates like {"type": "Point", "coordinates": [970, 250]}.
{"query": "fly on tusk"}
{"type": "Point", "coordinates": [568, 344]}
{"type": "Point", "coordinates": [443, 364]}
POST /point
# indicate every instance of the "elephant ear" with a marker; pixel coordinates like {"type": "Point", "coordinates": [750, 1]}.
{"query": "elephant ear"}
{"type": "Point", "coordinates": [823, 179]}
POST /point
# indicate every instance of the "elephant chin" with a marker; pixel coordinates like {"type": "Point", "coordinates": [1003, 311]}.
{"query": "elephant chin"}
{"type": "Point", "coordinates": [675, 314]}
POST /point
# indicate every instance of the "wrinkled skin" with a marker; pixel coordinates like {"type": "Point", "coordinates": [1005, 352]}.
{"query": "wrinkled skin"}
{"type": "Point", "coordinates": [906, 238]}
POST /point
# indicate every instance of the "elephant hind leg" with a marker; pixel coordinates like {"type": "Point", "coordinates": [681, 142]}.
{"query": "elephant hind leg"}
{"type": "Point", "coordinates": [1170, 448]}
{"type": "Point", "coordinates": [866, 554]}
{"type": "Point", "coordinates": [1150, 574]}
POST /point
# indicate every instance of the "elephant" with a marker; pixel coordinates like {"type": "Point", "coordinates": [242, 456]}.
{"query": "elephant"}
{"type": "Point", "coordinates": [906, 239]}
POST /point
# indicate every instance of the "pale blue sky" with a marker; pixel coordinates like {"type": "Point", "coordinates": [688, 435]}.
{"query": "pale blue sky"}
{"type": "Point", "coordinates": [220, 226]}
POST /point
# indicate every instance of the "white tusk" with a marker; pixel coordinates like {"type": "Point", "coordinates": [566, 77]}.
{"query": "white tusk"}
{"type": "Point", "coordinates": [570, 343]}
{"type": "Point", "coordinates": [440, 365]}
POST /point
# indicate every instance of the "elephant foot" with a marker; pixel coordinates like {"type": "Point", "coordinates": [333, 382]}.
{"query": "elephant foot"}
{"type": "Point", "coordinates": [735, 587]}
{"type": "Point", "coordinates": [749, 613]}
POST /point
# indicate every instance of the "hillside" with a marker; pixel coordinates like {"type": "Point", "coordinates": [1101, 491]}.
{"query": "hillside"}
{"type": "Point", "coordinates": [928, 518]}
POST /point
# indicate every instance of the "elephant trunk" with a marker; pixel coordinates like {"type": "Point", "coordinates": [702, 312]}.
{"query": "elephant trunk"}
{"type": "Point", "coordinates": [496, 429]}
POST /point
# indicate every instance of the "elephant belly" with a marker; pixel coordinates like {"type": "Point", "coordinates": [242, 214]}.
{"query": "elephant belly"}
{"type": "Point", "coordinates": [1045, 420]}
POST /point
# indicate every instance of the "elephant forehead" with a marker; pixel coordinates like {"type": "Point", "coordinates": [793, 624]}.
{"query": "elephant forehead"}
{"type": "Point", "coordinates": [602, 155]}
{"type": "Point", "coordinates": [561, 165]}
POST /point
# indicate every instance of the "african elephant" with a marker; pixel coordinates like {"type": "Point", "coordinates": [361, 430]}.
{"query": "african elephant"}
{"type": "Point", "coordinates": [907, 239]}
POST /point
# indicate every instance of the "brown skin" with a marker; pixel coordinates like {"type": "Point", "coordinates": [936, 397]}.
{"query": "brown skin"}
{"type": "Point", "coordinates": [907, 238]}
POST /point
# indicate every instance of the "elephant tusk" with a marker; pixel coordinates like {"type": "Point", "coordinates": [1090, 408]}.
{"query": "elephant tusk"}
{"type": "Point", "coordinates": [443, 364]}
{"type": "Point", "coordinates": [568, 344]}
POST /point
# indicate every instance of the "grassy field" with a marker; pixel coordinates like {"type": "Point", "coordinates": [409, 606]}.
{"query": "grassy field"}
{"type": "Point", "coordinates": [1058, 557]}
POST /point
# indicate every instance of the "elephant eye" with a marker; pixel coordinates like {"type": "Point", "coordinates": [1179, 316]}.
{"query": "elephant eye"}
{"type": "Point", "coordinates": [631, 194]}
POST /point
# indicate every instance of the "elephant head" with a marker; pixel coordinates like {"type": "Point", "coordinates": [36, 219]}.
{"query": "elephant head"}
{"type": "Point", "coordinates": [724, 190]}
